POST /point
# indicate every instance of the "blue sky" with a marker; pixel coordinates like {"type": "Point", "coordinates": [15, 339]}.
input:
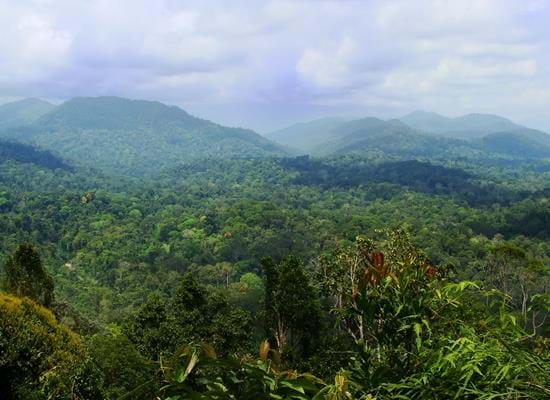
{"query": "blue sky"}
{"type": "Point", "coordinates": [265, 64]}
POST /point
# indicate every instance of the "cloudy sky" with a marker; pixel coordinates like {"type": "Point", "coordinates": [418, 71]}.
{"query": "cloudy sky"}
{"type": "Point", "coordinates": [264, 64]}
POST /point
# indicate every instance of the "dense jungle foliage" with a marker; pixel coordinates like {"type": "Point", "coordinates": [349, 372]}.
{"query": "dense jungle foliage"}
{"type": "Point", "coordinates": [348, 277]}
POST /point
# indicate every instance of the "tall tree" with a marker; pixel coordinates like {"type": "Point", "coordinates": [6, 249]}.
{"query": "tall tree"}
{"type": "Point", "coordinates": [150, 328]}
{"type": "Point", "coordinates": [25, 275]}
{"type": "Point", "coordinates": [291, 307]}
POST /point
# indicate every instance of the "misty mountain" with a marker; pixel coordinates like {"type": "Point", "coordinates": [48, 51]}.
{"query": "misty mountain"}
{"type": "Point", "coordinates": [491, 133]}
{"type": "Point", "coordinates": [391, 137]}
{"type": "Point", "coordinates": [471, 126]}
{"type": "Point", "coordinates": [136, 136]}
{"type": "Point", "coordinates": [349, 134]}
{"type": "Point", "coordinates": [306, 136]}
{"type": "Point", "coordinates": [329, 135]}
{"type": "Point", "coordinates": [526, 143]}
{"type": "Point", "coordinates": [367, 135]}
{"type": "Point", "coordinates": [23, 112]}
{"type": "Point", "coordinates": [396, 138]}
{"type": "Point", "coordinates": [428, 122]}
{"type": "Point", "coordinates": [419, 134]}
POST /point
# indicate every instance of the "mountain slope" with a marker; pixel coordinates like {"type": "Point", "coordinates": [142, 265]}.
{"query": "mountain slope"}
{"type": "Point", "coordinates": [393, 137]}
{"type": "Point", "coordinates": [306, 136]}
{"type": "Point", "coordinates": [527, 143]}
{"type": "Point", "coordinates": [368, 125]}
{"type": "Point", "coordinates": [352, 132]}
{"type": "Point", "coordinates": [420, 134]}
{"type": "Point", "coordinates": [136, 136]}
{"type": "Point", "coordinates": [23, 153]}
{"type": "Point", "coordinates": [475, 125]}
{"type": "Point", "coordinates": [23, 112]}
{"type": "Point", "coordinates": [471, 126]}
{"type": "Point", "coordinates": [489, 133]}
{"type": "Point", "coordinates": [428, 122]}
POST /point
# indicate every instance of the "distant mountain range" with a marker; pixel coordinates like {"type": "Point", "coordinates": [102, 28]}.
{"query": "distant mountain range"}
{"type": "Point", "coordinates": [136, 137]}
{"type": "Point", "coordinates": [417, 134]}
{"type": "Point", "coordinates": [306, 136]}
{"type": "Point", "coordinates": [471, 126]}
{"type": "Point", "coordinates": [130, 136]}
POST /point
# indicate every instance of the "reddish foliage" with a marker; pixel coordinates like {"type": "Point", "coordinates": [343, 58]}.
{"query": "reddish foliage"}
{"type": "Point", "coordinates": [378, 269]}
{"type": "Point", "coordinates": [378, 260]}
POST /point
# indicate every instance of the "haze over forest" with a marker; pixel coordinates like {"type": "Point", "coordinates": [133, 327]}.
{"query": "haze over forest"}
{"type": "Point", "coordinates": [303, 200]}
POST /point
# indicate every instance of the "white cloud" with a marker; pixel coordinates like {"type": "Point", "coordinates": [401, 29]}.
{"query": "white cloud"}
{"type": "Point", "coordinates": [332, 68]}
{"type": "Point", "coordinates": [31, 47]}
{"type": "Point", "coordinates": [353, 56]}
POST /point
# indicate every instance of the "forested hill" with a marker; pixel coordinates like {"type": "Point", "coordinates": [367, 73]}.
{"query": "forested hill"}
{"type": "Point", "coordinates": [22, 112]}
{"type": "Point", "coordinates": [470, 126]}
{"type": "Point", "coordinates": [419, 134]}
{"type": "Point", "coordinates": [391, 138]}
{"type": "Point", "coordinates": [520, 142]}
{"type": "Point", "coordinates": [306, 136]}
{"type": "Point", "coordinates": [136, 137]}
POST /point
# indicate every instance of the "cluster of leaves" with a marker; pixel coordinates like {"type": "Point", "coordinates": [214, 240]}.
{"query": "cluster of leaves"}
{"type": "Point", "coordinates": [196, 371]}
{"type": "Point", "coordinates": [290, 306]}
{"type": "Point", "coordinates": [125, 371]}
{"type": "Point", "coordinates": [425, 337]}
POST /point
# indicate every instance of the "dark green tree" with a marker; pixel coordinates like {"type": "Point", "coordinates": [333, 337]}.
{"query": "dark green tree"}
{"type": "Point", "coordinates": [25, 275]}
{"type": "Point", "coordinates": [203, 316]}
{"type": "Point", "coordinates": [192, 315]}
{"type": "Point", "coordinates": [125, 371]}
{"type": "Point", "coordinates": [151, 328]}
{"type": "Point", "coordinates": [292, 313]}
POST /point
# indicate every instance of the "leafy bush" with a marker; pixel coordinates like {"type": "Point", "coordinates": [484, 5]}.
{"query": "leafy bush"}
{"type": "Point", "coordinates": [41, 359]}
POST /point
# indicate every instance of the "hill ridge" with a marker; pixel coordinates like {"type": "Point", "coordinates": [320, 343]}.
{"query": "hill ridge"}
{"type": "Point", "coordinates": [137, 136]}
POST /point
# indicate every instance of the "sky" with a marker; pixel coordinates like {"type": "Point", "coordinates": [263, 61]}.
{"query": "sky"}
{"type": "Point", "coordinates": [266, 64]}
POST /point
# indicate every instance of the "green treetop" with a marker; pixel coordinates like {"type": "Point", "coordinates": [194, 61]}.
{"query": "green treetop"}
{"type": "Point", "coordinates": [25, 275]}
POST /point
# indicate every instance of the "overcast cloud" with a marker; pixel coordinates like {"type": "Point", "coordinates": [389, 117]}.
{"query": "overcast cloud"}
{"type": "Point", "coordinates": [264, 64]}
